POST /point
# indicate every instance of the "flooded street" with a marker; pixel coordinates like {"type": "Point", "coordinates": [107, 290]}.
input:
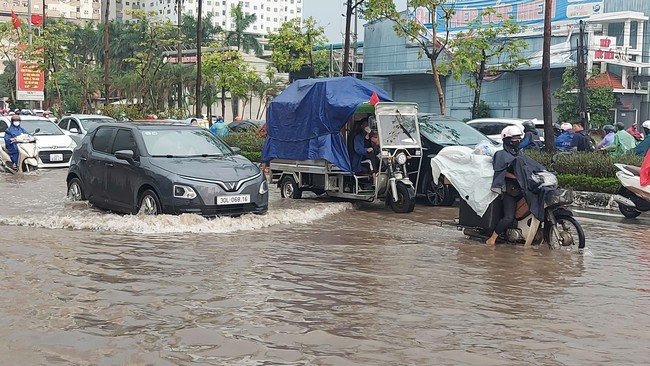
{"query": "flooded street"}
{"type": "Point", "coordinates": [313, 282]}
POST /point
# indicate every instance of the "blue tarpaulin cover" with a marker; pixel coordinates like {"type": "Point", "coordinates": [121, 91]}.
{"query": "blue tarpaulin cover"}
{"type": "Point", "coordinates": [305, 120]}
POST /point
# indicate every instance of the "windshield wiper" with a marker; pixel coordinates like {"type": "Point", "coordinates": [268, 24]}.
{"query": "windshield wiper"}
{"type": "Point", "coordinates": [399, 122]}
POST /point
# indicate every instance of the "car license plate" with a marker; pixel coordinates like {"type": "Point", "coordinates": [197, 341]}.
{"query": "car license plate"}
{"type": "Point", "coordinates": [56, 157]}
{"type": "Point", "coordinates": [234, 200]}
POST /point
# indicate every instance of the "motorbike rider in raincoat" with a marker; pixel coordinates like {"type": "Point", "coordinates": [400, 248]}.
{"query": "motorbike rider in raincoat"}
{"type": "Point", "coordinates": [531, 140]}
{"type": "Point", "coordinates": [11, 133]}
{"type": "Point", "coordinates": [642, 148]}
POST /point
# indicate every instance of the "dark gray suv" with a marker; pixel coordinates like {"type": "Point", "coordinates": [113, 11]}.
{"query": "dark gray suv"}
{"type": "Point", "coordinates": [154, 168]}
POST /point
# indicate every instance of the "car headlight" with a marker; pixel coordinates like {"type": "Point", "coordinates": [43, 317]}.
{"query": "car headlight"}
{"type": "Point", "coordinates": [264, 187]}
{"type": "Point", "coordinates": [401, 158]}
{"type": "Point", "coordinates": [73, 145]}
{"type": "Point", "coordinates": [184, 192]}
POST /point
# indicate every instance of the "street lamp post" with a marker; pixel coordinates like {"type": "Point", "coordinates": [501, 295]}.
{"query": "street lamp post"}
{"type": "Point", "coordinates": [197, 107]}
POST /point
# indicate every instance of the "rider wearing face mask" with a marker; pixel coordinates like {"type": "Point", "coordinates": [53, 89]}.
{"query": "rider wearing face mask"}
{"type": "Point", "coordinates": [11, 133]}
{"type": "Point", "coordinates": [505, 181]}
{"type": "Point", "coordinates": [364, 147]}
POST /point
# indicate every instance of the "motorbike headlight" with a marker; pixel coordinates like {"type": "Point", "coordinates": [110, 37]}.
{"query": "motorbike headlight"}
{"type": "Point", "coordinates": [184, 192]}
{"type": "Point", "coordinates": [264, 187]}
{"type": "Point", "coordinates": [401, 158]}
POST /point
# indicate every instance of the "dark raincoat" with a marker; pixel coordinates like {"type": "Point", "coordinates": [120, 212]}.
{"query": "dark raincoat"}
{"type": "Point", "coordinates": [524, 168]}
{"type": "Point", "coordinates": [12, 147]}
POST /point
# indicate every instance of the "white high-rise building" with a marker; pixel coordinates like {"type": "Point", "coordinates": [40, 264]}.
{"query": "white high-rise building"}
{"type": "Point", "coordinates": [270, 13]}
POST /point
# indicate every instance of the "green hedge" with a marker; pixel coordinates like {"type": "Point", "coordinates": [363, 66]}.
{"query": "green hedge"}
{"type": "Point", "coordinates": [591, 164]}
{"type": "Point", "coordinates": [254, 156]}
{"type": "Point", "coordinates": [586, 183]}
{"type": "Point", "coordinates": [246, 141]}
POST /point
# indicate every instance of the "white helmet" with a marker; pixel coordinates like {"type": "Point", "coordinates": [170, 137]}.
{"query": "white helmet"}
{"type": "Point", "coordinates": [566, 126]}
{"type": "Point", "coordinates": [511, 131]}
{"type": "Point", "coordinates": [646, 124]}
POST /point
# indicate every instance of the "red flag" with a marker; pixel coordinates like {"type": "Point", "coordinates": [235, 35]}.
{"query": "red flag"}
{"type": "Point", "coordinates": [14, 20]}
{"type": "Point", "coordinates": [37, 20]}
{"type": "Point", "coordinates": [374, 99]}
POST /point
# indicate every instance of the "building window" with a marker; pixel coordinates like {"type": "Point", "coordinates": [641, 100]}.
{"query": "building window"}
{"type": "Point", "coordinates": [254, 7]}
{"type": "Point", "coordinates": [254, 27]}
{"type": "Point", "coordinates": [209, 3]}
{"type": "Point", "coordinates": [127, 3]}
{"type": "Point", "coordinates": [247, 4]}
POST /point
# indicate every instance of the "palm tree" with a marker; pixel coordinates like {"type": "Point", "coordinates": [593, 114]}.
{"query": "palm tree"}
{"type": "Point", "coordinates": [208, 27]}
{"type": "Point", "coordinates": [238, 37]}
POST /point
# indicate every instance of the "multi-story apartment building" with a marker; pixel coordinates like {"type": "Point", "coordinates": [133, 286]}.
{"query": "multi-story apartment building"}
{"type": "Point", "coordinates": [270, 13]}
{"type": "Point", "coordinates": [75, 10]}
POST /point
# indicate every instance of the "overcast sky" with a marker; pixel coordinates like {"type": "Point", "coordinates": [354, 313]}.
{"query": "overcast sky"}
{"type": "Point", "coordinates": [330, 15]}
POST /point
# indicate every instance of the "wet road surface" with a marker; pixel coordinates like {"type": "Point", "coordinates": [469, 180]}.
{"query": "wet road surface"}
{"type": "Point", "coordinates": [314, 282]}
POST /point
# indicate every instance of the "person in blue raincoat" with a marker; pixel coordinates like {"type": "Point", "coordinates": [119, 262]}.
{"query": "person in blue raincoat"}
{"type": "Point", "coordinates": [11, 133]}
{"type": "Point", "coordinates": [219, 127]}
{"type": "Point", "coordinates": [563, 142]}
{"type": "Point", "coordinates": [364, 148]}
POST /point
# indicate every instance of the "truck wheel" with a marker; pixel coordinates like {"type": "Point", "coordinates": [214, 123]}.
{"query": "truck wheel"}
{"type": "Point", "coordinates": [405, 199]}
{"type": "Point", "coordinates": [289, 188]}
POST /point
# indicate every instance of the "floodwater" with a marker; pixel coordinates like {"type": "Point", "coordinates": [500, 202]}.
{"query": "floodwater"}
{"type": "Point", "coordinates": [314, 282]}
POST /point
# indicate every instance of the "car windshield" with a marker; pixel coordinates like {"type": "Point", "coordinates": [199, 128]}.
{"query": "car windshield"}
{"type": "Point", "coordinates": [90, 123]}
{"type": "Point", "coordinates": [398, 130]}
{"type": "Point", "coordinates": [47, 127]}
{"type": "Point", "coordinates": [450, 132]}
{"type": "Point", "coordinates": [185, 142]}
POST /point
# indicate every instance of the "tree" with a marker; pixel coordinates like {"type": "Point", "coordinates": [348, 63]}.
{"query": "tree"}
{"type": "Point", "coordinates": [9, 38]}
{"type": "Point", "coordinates": [148, 61]}
{"type": "Point", "coordinates": [228, 71]}
{"type": "Point", "coordinates": [599, 100]}
{"type": "Point", "coordinates": [440, 14]}
{"type": "Point", "coordinates": [239, 37]}
{"type": "Point", "coordinates": [267, 89]}
{"type": "Point", "coordinates": [489, 39]}
{"type": "Point", "coordinates": [293, 44]}
{"type": "Point", "coordinates": [209, 30]}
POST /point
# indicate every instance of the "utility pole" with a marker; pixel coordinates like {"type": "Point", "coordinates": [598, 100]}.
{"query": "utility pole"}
{"type": "Point", "coordinates": [199, 33]}
{"type": "Point", "coordinates": [179, 91]}
{"type": "Point", "coordinates": [582, 77]}
{"type": "Point", "coordinates": [351, 5]}
{"type": "Point", "coordinates": [549, 136]}
{"type": "Point", "coordinates": [44, 102]}
{"type": "Point", "coordinates": [106, 85]}
{"type": "Point", "coordinates": [331, 60]}
{"type": "Point", "coordinates": [355, 68]}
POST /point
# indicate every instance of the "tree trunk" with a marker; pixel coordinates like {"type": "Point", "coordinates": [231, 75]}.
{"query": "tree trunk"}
{"type": "Point", "coordinates": [549, 136]}
{"type": "Point", "coordinates": [436, 79]}
{"type": "Point", "coordinates": [477, 89]}
{"type": "Point", "coordinates": [223, 102]}
{"type": "Point", "coordinates": [346, 52]}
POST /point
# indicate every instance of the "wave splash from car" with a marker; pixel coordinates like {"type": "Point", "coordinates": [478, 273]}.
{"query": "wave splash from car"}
{"type": "Point", "coordinates": [170, 224]}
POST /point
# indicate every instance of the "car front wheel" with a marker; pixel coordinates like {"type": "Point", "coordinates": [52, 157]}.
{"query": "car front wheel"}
{"type": "Point", "coordinates": [75, 192]}
{"type": "Point", "coordinates": [438, 194]}
{"type": "Point", "coordinates": [149, 203]}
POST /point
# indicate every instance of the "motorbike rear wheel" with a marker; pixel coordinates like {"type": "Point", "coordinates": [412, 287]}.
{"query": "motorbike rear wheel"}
{"type": "Point", "coordinates": [567, 232]}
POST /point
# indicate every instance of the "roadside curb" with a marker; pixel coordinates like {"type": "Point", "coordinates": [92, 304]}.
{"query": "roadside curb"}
{"type": "Point", "coordinates": [594, 200]}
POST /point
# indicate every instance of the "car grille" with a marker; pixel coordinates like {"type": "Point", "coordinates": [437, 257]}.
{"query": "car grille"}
{"type": "Point", "coordinates": [45, 156]}
{"type": "Point", "coordinates": [228, 210]}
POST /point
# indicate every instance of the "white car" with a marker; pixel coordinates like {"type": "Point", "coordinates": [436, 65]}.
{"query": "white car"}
{"type": "Point", "coordinates": [492, 127]}
{"type": "Point", "coordinates": [55, 146]}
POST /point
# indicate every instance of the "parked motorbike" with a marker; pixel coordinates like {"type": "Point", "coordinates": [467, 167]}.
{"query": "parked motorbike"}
{"type": "Point", "coordinates": [28, 159]}
{"type": "Point", "coordinates": [632, 198]}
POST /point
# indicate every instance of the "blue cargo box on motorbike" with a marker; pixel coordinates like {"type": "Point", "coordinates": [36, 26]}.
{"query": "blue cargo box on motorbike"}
{"type": "Point", "coordinates": [468, 218]}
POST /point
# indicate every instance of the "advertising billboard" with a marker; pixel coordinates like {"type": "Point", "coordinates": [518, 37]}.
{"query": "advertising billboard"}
{"type": "Point", "coordinates": [30, 79]}
{"type": "Point", "coordinates": [527, 12]}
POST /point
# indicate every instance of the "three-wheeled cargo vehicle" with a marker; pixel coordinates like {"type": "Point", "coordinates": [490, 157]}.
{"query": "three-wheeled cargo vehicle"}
{"type": "Point", "coordinates": [312, 151]}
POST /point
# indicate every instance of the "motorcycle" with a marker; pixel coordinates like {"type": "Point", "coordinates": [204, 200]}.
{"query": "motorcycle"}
{"type": "Point", "coordinates": [632, 198]}
{"type": "Point", "coordinates": [559, 228]}
{"type": "Point", "coordinates": [28, 159]}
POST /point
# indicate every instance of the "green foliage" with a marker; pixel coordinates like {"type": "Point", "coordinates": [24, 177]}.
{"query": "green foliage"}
{"type": "Point", "coordinates": [292, 45]}
{"type": "Point", "coordinates": [488, 46]}
{"type": "Point", "coordinates": [593, 164]}
{"type": "Point", "coordinates": [120, 111]}
{"type": "Point", "coordinates": [590, 184]}
{"type": "Point", "coordinates": [246, 141]}
{"type": "Point", "coordinates": [254, 156]}
{"type": "Point", "coordinates": [599, 100]}
{"type": "Point", "coordinates": [239, 37]}
{"type": "Point", "coordinates": [209, 30]}
{"type": "Point", "coordinates": [411, 30]}
{"type": "Point", "coordinates": [229, 72]}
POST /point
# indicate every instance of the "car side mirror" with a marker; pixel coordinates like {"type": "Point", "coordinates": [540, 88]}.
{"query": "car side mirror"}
{"type": "Point", "coordinates": [37, 131]}
{"type": "Point", "coordinates": [125, 155]}
{"type": "Point", "coordinates": [236, 150]}
{"type": "Point", "coordinates": [74, 130]}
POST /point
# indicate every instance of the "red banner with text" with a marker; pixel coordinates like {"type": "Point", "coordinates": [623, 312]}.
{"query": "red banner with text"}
{"type": "Point", "coordinates": [30, 78]}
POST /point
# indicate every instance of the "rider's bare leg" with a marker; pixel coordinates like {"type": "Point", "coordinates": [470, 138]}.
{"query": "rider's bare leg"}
{"type": "Point", "coordinates": [492, 240]}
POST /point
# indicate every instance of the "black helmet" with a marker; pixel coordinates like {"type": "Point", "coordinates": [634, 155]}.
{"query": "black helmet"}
{"type": "Point", "coordinates": [620, 126]}
{"type": "Point", "coordinates": [608, 128]}
{"type": "Point", "coordinates": [528, 125]}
